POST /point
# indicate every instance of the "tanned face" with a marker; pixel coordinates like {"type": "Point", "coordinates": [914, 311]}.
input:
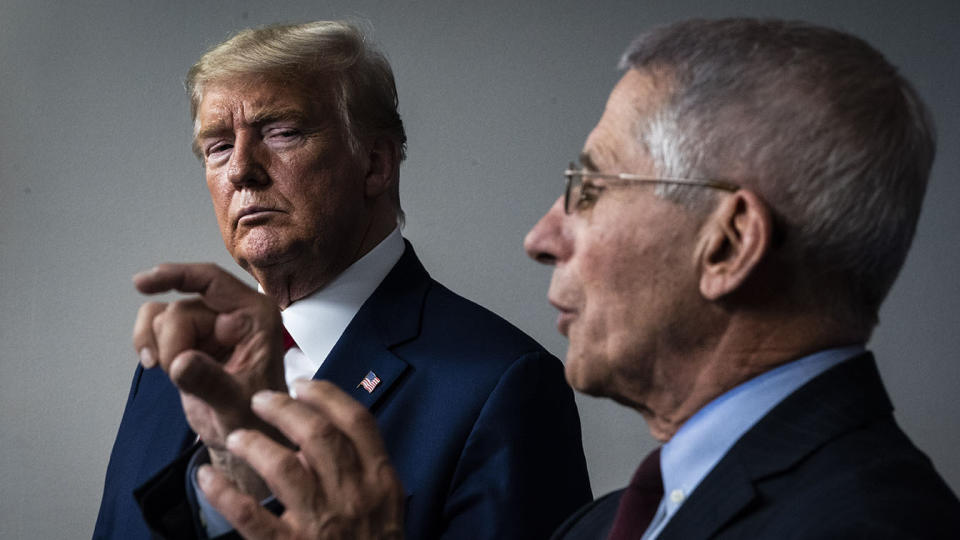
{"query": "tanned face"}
{"type": "Point", "coordinates": [285, 187]}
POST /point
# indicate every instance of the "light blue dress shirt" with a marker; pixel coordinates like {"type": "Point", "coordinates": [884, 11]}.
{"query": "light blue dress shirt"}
{"type": "Point", "coordinates": [706, 437]}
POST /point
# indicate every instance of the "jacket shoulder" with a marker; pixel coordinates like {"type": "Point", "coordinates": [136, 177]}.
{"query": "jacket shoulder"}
{"type": "Point", "coordinates": [453, 319]}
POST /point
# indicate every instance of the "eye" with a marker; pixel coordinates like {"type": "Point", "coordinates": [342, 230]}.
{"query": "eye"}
{"type": "Point", "coordinates": [219, 147]}
{"type": "Point", "coordinates": [586, 195]}
{"type": "Point", "coordinates": [282, 135]}
{"type": "Point", "coordinates": [217, 150]}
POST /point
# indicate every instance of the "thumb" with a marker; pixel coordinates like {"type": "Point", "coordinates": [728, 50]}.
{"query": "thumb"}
{"type": "Point", "coordinates": [196, 373]}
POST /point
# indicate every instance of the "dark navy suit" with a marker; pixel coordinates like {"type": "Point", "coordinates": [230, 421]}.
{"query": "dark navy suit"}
{"type": "Point", "coordinates": [827, 462]}
{"type": "Point", "coordinates": [476, 416]}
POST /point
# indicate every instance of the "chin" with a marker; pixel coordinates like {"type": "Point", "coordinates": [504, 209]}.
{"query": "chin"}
{"type": "Point", "coordinates": [262, 251]}
{"type": "Point", "coordinates": [579, 377]}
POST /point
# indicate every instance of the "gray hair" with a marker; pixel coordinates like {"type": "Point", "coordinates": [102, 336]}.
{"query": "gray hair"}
{"type": "Point", "coordinates": [815, 121]}
{"type": "Point", "coordinates": [333, 55]}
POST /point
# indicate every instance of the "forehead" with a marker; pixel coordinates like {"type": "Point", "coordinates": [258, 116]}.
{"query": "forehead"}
{"type": "Point", "coordinates": [615, 144]}
{"type": "Point", "coordinates": [248, 100]}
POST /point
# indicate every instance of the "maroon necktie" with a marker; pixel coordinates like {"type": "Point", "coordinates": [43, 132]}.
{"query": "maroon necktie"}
{"type": "Point", "coordinates": [288, 341]}
{"type": "Point", "coordinates": [639, 501]}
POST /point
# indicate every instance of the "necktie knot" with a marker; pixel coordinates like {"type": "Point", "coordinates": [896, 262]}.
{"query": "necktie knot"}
{"type": "Point", "coordinates": [288, 341]}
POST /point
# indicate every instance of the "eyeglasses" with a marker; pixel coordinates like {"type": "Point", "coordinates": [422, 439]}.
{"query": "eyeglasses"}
{"type": "Point", "coordinates": [574, 193]}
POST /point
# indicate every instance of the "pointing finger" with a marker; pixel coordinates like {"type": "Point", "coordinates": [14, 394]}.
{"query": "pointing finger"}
{"type": "Point", "coordinates": [328, 451]}
{"type": "Point", "coordinates": [349, 416]}
{"type": "Point", "coordinates": [196, 373]}
{"type": "Point", "coordinates": [281, 468]}
{"type": "Point", "coordinates": [220, 290]}
{"type": "Point", "coordinates": [184, 325]}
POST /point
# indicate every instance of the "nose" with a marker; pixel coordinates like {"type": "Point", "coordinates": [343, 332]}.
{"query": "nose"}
{"type": "Point", "coordinates": [246, 166]}
{"type": "Point", "coordinates": [548, 242]}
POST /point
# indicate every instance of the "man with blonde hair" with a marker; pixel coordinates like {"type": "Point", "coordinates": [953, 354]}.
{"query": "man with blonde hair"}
{"type": "Point", "coordinates": [298, 131]}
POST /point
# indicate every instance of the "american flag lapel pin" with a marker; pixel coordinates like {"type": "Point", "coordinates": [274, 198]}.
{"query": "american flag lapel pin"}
{"type": "Point", "coordinates": [370, 382]}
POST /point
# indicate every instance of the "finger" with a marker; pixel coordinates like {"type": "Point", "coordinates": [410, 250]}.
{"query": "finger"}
{"type": "Point", "coordinates": [144, 339]}
{"type": "Point", "coordinates": [349, 416]}
{"type": "Point", "coordinates": [214, 399]}
{"type": "Point", "coordinates": [299, 421]}
{"type": "Point", "coordinates": [328, 451]}
{"type": "Point", "coordinates": [246, 515]}
{"type": "Point", "coordinates": [353, 421]}
{"type": "Point", "coordinates": [220, 290]}
{"type": "Point", "coordinates": [286, 476]}
{"type": "Point", "coordinates": [243, 312]}
{"type": "Point", "coordinates": [197, 374]}
{"type": "Point", "coordinates": [232, 328]}
{"type": "Point", "coordinates": [184, 325]}
{"type": "Point", "coordinates": [256, 349]}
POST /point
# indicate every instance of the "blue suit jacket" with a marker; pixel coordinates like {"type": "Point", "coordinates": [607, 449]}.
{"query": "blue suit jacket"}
{"type": "Point", "coordinates": [476, 416]}
{"type": "Point", "coordinates": [827, 462]}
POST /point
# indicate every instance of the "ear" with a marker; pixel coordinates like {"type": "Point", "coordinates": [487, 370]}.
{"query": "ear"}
{"type": "Point", "coordinates": [383, 159]}
{"type": "Point", "coordinates": [735, 238]}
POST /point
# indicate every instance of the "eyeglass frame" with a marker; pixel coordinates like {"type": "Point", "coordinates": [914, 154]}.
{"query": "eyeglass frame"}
{"type": "Point", "coordinates": [572, 171]}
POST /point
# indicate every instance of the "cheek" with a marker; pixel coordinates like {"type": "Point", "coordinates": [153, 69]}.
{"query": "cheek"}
{"type": "Point", "coordinates": [219, 191]}
{"type": "Point", "coordinates": [220, 198]}
{"type": "Point", "coordinates": [611, 285]}
{"type": "Point", "coordinates": [616, 295]}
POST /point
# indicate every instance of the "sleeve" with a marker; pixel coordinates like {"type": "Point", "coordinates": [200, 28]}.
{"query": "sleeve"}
{"type": "Point", "coordinates": [522, 470]}
{"type": "Point", "coordinates": [174, 506]}
{"type": "Point", "coordinates": [165, 500]}
{"type": "Point", "coordinates": [210, 520]}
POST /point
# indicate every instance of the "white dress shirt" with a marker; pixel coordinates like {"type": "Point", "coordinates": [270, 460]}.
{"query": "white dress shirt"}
{"type": "Point", "coordinates": [317, 321]}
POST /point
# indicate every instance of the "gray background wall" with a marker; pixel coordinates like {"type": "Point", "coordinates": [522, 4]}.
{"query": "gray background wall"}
{"type": "Point", "coordinates": [97, 182]}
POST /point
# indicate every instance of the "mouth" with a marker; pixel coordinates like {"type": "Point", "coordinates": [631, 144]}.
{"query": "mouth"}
{"type": "Point", "coordinates": [564, 318]}
{"type": "Point", "coordinates": [250, 215]}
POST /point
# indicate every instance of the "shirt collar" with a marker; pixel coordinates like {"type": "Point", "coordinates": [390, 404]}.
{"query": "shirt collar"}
{"type": "Point", "coordinates": [707, 436]}
{"type": "Point", "coordinates": [316, 322]}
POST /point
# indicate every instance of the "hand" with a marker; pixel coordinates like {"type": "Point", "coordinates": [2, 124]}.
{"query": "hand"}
{"type": "Point", "coordinates": [218, 348]}
{"type": "Point", "coordinates": [340, 484]}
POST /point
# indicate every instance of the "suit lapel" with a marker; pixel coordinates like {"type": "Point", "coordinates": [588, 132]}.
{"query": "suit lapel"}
{"type": "Point", "coordinates": [157, 406]}
{"type": "Point", "coordinates": [388, 318]}
{"type": "Point", "coordinates": [352, 359]}
{"type": "Point", "coordinates": [840, 399]}
{"type": "Point", "coordinates": [720, 496]}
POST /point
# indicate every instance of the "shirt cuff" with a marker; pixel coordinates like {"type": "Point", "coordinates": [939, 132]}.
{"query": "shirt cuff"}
{"type": "Point", "coordinates": [210, 520]}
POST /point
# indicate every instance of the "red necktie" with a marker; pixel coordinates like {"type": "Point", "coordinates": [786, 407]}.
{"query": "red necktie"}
{"type": "Point", "coordinates": [288, 341]}
{"type": "Point", "coordinates": [639, 501]}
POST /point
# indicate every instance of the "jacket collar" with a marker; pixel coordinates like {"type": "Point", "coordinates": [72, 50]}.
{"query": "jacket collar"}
{"type": "Point", "coordinates": [841, 399]}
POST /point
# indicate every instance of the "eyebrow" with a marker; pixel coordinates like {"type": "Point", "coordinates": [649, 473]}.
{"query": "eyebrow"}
{"type": "Point", "coordinates": [265, 116]}
{"type": "Point", "coordinates": [587, 162]}
{"type": "Point", "coordinates": [268, 115]}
